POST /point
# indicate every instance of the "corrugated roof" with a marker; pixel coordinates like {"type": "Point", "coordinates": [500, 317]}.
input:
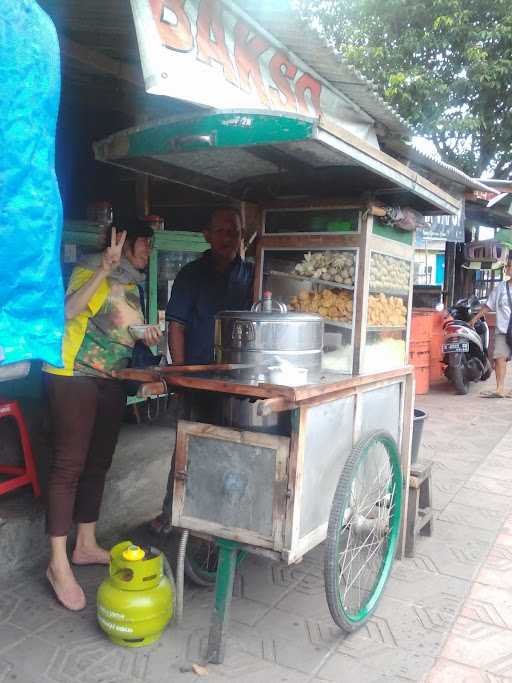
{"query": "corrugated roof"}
{"type": "Point", "coordinates": [108, 28]}
{"type": "Point", "coordinates": [418, 158]}
{"type": "Point", "coordinates": [284, 22]}
{"type": "Point", "coordinates": [446, 170]}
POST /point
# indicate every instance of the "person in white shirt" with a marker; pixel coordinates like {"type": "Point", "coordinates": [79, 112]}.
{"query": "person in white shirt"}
{"type": "Point", "coordinates": [499, 303]}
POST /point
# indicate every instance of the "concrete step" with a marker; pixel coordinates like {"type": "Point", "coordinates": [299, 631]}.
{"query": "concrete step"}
{"type": "Point", "coordinates": [133, 495]}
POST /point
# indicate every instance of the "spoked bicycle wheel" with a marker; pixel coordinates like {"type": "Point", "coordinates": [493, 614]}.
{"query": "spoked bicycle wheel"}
{"type": "Point", "coordinates": [201, 561]}
{"type": "Point", "coordinates": [363, 530]}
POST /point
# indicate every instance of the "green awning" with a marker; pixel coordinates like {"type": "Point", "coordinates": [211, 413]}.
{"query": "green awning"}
{"type": "Point", "coordinates": [262, 156]}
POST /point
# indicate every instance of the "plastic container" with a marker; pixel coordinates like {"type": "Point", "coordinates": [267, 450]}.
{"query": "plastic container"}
{"type": "Point", "coordinates": [419, 356]}
{"type": "Point", "coordinates": [421, 324]}
{"type": "Point", "coordinates": [417, 430]}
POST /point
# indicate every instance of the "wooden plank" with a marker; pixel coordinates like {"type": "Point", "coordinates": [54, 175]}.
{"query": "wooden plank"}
{"type": "Point", "coordinates": [260, 439]}
{"type": "Point", "coordinates": [137, 374]}
{"type": "Point", "coordinates": [221, 531]}
{"type": "Point", "coordinates": [350, 391]}
{"type": "Point", "coordinates": [210, 367]}
{"type": "Point", "coordinates": [280, 493]}
{"type": "Point", "coordinates": [273, 405]}
{"type": "Point", "coordinates": [295, 479]}
{"type": "Point", "coordinates": [278, 390]}
{"type": "Point", "coordinates": [180, 469]}
{"type": "Point", "coordinates": [306, 543]}
{"type": "Point", "coordinates": [391, 248]}
{"type": "Point", "coordinates": [100, 62]}
{"type": "Point", "coordinates": [312, 391]}
{"type": "Point", "coordinates": [294, 395]}
{"type": "Point", "coordinates": [387, 160]}
{"type": "Point", "coordinates": [256, 391]}
{"type": "Point", "coordinates": [261, 552]}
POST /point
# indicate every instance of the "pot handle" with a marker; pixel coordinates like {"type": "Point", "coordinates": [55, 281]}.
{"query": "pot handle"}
{"type": "Point", "coordinates": [276, 305]}
{"type": "Point", "coordinates": [243, 332]}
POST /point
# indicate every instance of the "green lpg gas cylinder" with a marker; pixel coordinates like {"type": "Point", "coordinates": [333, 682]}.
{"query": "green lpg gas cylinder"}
{"type": "Point", "coordinates": [135, 602]}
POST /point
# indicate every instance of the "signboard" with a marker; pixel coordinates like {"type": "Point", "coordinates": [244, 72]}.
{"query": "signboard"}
{"type": "Point", "coordinates": [208, 52]}
{"type": "Point", "coordinates": [443, 228]}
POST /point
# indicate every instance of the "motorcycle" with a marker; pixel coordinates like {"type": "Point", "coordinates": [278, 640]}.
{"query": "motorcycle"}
{"type": "Point", "coordinates": [465, 348]}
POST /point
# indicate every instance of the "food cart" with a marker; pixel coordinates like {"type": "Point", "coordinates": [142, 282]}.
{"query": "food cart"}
{"type": "Point", "coordinates": [290, 464]}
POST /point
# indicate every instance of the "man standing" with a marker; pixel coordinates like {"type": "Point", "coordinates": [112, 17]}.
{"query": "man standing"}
{"type": "Point", "coordinates": [218, 281]}
{"type": "Point", "coordinates": [499, 302]}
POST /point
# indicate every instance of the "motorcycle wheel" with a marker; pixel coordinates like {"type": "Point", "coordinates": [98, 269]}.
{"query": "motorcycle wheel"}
{"type": "Point", "coordinates": [459, 382]}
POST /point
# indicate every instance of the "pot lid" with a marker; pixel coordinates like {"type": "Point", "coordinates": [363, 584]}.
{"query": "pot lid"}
{"type": "Point", "coordinates": [274, 317]}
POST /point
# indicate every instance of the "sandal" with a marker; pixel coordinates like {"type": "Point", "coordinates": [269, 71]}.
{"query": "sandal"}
{"type": "Point", "coordinates": [492, 394]}
{"type": "Point", "coordinates": [74, 603]}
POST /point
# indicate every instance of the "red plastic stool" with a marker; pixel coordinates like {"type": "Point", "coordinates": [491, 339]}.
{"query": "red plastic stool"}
{"type": "Point", "coordinates": [21, 476]}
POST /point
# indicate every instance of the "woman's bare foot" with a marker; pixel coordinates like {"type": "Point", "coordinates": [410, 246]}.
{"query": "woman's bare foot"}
{"type": "Point", "coordinates": [90, 555]}
{"type": "Point", "coordinates": [66, 588]}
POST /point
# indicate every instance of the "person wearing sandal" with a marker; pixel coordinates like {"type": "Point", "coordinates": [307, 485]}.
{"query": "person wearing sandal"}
{"type": "Point", "coordinates": [86, 403]}
{"type": "Point", "coordinates": [499, 302]}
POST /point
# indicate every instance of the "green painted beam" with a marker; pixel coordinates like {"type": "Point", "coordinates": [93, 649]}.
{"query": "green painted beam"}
{"type": "Point", "coordinates": [213, 131]}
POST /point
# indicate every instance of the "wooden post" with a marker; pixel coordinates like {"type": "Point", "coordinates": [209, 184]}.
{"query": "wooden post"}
{"type": "Point", "coordinates": [360, 303]}
{"type": "Point", "coordinates": [228, 551]}
{"type": "Point", "coordinates": [142, 195]}
{"type": "Point", "coordinates": [405, 456]}
{"type": "Point", "coordinates": [449, 272]}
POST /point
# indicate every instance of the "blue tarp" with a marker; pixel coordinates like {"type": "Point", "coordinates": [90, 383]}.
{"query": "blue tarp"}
{"type": "Point", "coordinates": [31, 291]}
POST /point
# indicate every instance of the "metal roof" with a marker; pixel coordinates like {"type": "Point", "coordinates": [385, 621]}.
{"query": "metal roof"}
{"type": "Point", "coordinates": [284, 22]}
{"type": "Point", "coordinates": [436, 165]}
{"type": "Point", "coordinates": [107, 27]}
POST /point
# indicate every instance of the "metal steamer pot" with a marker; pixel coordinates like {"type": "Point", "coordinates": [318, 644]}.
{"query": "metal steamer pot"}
{"type": "Point", "coordinates": [266, 338]}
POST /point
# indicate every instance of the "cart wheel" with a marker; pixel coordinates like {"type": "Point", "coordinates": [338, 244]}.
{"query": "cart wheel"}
{"type": "Point", "coordinates": [363, 530]}
{"type": "Point", "coordinates": [201, 561]}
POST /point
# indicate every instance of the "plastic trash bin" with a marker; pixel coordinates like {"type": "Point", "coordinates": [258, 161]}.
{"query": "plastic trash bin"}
{"type": "Point", "coordinates": [417, 429]}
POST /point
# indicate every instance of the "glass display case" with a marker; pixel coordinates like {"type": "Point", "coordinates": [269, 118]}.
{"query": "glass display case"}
{"type": "Point", "coordinates": [357, 276]}
{"type": "Point", "coordinates": [386, 329]}
{"type": "Point", "coordinates": [318, 281]}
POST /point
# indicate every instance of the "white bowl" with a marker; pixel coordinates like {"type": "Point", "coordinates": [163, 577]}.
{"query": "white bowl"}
{"type": "Point", "coordinates": [137, 331]}
{"type": "Point", "coordinates": [288, 376]}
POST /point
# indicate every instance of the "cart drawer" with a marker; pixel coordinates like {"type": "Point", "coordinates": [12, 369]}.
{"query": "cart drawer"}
{"type": "Point", "coordinates": [231, 483]}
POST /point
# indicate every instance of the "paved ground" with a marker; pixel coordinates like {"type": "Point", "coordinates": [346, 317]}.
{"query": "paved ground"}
{"type": "Point", "coordinates": [446, 614]}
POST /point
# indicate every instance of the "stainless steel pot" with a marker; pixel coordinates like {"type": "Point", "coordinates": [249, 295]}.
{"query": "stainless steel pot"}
{"type": "Point", "coordinates": [267, 338]}
{"type": "Point", "coordinates": [242, 413]}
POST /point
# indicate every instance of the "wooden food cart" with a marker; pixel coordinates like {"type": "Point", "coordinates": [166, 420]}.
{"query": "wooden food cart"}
{"type": "Point", "coordinates": [328, 460]}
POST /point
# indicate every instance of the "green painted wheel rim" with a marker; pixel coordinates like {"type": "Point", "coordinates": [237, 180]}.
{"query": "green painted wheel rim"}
{"type": "Point", "coordinates": [393, 488]}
